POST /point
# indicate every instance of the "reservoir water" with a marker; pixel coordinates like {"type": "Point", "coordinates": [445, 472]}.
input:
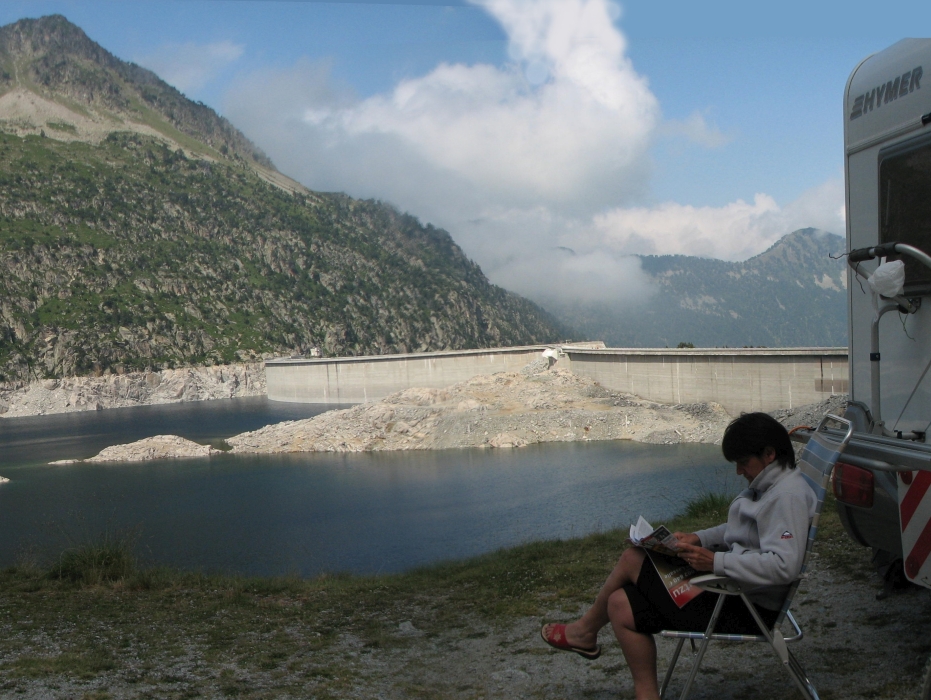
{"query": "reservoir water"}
{"type": "Point", "coordinates": [314, 513]}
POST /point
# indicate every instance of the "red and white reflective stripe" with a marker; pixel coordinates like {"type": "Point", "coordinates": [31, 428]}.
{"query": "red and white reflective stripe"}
{"type": "Point", "coordinates": [909, 503]}
{"type": "Point", "coordinates": [915, 523]}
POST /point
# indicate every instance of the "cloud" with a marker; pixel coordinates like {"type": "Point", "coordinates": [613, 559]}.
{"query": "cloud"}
{"type": "Point", "coordinates": [735, 231]}
{"type": "Point", "coordinates": [547, 256]}
{"type": "Point", "coordinates": [595, 258]}
{"type": "Point", "coordinates": [190, 66]}
{"type": "Point", "coordinates": [695, 129]}
{"type": "Point", "coordinates": [507, 158]}
{"type": "Point", "coordinates": [568, 122]}
{"type": "Point", "coordinates": [536, 167]}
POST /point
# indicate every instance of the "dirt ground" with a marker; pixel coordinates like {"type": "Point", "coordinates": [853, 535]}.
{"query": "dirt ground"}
{"type": "Point", "coordinates": [855, 647]}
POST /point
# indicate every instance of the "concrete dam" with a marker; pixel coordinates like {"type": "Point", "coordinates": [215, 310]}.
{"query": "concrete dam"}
{"type": "Point", "coordinates": [740, 379]}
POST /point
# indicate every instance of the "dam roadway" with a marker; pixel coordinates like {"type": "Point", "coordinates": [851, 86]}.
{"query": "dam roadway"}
{"type": "Point", "coordinates": [740, 379]}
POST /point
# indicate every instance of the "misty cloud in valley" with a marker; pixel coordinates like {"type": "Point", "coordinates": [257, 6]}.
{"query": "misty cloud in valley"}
{"type": "Point", "coordinates": [540, 169]}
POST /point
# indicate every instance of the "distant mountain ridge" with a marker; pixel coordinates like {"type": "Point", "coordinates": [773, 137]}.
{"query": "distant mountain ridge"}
{"type": "Point", "coordinates": [792, 295]}
{"type": "Point", "coordinates": [139, 230]}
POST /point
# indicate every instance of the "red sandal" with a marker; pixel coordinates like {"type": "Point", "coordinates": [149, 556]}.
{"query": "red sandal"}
{"type": "Point", "coordinates": [554, 634]}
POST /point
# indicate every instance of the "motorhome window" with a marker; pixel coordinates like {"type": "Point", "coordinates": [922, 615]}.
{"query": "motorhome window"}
{"type": "Point", "coordinates": [905, 208]}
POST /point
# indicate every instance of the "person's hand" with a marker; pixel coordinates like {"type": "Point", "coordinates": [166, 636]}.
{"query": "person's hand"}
{"type": "Point", "coordinates": [698, 558]}
{"type": "Point", "coordinates": [687, 538]}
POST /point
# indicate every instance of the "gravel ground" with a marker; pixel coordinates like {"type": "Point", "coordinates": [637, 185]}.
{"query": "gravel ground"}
{"type": "Point", "coordinates": [855, 647]}
{"type": "Point", "coordinates": [811, 414]}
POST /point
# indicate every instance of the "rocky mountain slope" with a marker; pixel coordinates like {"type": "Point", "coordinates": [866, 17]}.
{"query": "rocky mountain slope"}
{"type": "Point", "coordinates": [127, 243]}
{"type": "Point", "coordinates": [54, 78]}
{"type": "Point", "coordinates": [792, 295]}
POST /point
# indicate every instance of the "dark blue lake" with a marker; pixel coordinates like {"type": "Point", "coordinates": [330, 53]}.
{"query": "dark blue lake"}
{"type": "Point", "coordinates": [311, 513]}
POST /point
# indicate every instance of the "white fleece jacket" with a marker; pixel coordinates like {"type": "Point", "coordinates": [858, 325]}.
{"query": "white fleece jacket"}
{"type": "Point", "coordinates": [763, 542]}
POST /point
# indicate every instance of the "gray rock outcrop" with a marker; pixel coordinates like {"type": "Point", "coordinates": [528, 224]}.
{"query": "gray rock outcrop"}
{"type": "Point", "coordinates": [133, 389]}
{"type": "Point", "coordinates": [508, 409]}
{"type": "Point", "coordinates": [158, 447]}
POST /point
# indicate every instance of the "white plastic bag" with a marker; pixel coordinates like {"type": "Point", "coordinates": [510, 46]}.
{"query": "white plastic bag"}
{"type": "Point", "coordinates": [888, 279]}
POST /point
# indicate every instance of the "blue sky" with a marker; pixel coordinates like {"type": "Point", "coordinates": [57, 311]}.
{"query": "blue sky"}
{"type": "Point", "coordinates": [654, 127]}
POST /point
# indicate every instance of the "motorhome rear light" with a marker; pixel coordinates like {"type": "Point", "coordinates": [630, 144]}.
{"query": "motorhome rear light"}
{"type": "Point", "coordinates": [853, 485]}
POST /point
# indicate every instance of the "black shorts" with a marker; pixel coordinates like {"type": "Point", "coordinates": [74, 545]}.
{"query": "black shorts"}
{"type": "Point", "coordinates": [654, 610]}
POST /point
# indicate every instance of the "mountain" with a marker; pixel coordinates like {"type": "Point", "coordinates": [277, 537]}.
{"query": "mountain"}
{"type": "Point", "coordinates": [50, 70]}
{"type": "Point", "coordinates": [141, 230]}
{"type": "Point", "coordinates": [792, 295]}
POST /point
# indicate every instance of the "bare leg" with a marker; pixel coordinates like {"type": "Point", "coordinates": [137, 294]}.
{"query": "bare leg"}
{"type": "Point", "coordinates": [639, 649]}
{"type": "Point", "coordinates": [611, 605]}
{"type": "Point", "coordinates": [583, 632]}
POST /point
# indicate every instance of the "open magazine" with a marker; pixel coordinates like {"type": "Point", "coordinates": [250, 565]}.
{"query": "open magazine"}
{"type": "Point", "coordinates": [659, 540]}
{"type": "Point", "coordinates": [660, 546]}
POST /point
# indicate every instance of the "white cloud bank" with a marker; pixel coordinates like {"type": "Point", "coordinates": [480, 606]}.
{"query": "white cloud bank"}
{"type": "Point", "coordinates": [735, 231]}
{"type": "Point", "coordinates": [535, 167]}
{"type": "Point", "coordinates": [190, 66]}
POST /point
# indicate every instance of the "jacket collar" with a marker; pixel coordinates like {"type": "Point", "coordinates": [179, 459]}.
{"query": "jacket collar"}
{"type": "Point", "coordinates": [764, 480]}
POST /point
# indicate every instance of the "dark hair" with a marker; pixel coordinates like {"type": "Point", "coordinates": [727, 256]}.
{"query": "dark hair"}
{"type": "Point", "coordinates": [750, 435]}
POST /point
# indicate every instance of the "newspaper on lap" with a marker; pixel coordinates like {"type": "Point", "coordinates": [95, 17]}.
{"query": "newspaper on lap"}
{"type": "Point", "coordinates": [661, 547]}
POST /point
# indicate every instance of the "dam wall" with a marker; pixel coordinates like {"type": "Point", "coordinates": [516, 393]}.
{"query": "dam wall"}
{"type": "Point", "coordinates": [344, 380]}
{"type": "Point", "coordinates": [740, 379]}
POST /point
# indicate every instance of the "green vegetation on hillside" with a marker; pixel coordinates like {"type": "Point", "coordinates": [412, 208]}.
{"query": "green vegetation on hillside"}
{"type": "Point", "coordinates": [131, 255]}
{"type": "Point", "coordinates": [152, 238]}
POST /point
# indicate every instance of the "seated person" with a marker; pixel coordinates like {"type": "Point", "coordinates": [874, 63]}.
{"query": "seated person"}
{"type": "Point", "coordinates": [761, 545]}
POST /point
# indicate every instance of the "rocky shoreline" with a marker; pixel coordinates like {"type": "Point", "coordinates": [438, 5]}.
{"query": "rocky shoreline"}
{"type": "Point", "coordinates": [504, 410]}
{"type": "Point", "coordinates": [47, 396]}
{"type": "Point", "coordinates": [507, 409]}
{"type": "Point", "coordinates": [157, 447]}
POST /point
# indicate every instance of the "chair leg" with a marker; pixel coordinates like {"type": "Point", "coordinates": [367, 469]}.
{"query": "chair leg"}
{"type": "Point", "coordinates": [805, 686]}
{"type": "Point", "coordinates": [777, 642]}
{"type": "Point", "coordinates": [672, 667]}
{"type": "Point", "coordinates": [712, 623]}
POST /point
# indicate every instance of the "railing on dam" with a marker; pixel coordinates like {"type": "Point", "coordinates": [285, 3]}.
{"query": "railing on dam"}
{"type": "Point", "coordinates": [740, 379]}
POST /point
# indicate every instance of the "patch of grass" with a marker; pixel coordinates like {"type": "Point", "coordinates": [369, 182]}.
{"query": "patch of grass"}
{"type": "Point", "coordinates": [62, 126]}
{"type": "Point", "coordinates": [108, 560]}
{"type": "Point", "coordinates": [78, 665]}
{"type": "Point", "coordinates": [709, 505]}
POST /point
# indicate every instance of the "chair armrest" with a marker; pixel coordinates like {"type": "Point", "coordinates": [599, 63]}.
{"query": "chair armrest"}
{"type": "Point", "coordinates": [717, 584]}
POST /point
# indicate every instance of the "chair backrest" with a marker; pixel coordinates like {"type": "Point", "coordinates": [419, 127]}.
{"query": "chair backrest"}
{"type": "Point", "coordinates": [816, 463]}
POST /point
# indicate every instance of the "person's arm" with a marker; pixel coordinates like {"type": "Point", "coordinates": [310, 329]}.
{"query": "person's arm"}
{"type": "Point", "coordinates": [712, 538]}
{"type": "Point", "coordinates": [783, 528]}
{"type": "Point", "coordinates": [698, 558]}
{"type": "Point", "coordinates": [687, 538]}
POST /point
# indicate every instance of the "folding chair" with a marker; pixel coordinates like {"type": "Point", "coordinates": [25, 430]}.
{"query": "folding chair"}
{"type": "Point", "coordinates": [816, 463]}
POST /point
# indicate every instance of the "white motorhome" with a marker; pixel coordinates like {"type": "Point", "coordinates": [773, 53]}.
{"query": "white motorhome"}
{"type": "Point", "coordinates": [883, 488]}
